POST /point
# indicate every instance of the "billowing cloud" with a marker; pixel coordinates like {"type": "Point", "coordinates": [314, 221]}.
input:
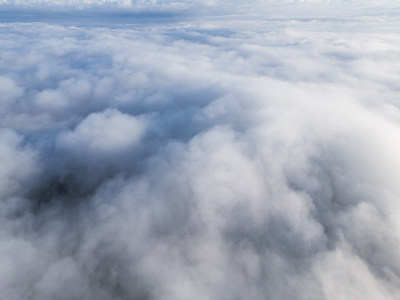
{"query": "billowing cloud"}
{"type": "Point", "coordinates": [213, 158]}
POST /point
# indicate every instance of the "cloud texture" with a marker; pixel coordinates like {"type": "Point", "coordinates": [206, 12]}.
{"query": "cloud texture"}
{"type": "Point", "coordinates": [221, 159]}
{"type": "Point", "coordinates": [242, 7]}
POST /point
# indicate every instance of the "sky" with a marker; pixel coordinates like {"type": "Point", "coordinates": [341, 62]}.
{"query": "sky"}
{"type": "Point", "coordinates": [174, 150]}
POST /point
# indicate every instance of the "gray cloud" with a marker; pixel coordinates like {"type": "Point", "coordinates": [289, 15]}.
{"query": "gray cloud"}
{"type": "Point", "coordinates": [227, 159]}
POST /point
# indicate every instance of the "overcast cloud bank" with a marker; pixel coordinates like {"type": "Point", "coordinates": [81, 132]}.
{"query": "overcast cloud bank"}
{"type": "Point", "coordinates": [219, 159]}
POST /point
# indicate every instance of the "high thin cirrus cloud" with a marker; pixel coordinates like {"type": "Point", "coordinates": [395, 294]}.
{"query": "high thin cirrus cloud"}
{"type": "Point", "coordinates": [173, 156]}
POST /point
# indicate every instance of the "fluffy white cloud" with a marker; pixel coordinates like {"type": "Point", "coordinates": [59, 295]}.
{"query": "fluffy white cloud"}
{"type": "Point", "coordinates": [9, 91]}
{"type": "Point", "coordinates": [109, 131]}
{"type": "Point", "coordinates": [233, 158]}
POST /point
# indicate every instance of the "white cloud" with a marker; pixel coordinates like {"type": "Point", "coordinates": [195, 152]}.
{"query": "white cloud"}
{"type": "Point", "coordinates": [109, 131]}
{"type": "Point", "coordinates": [9, 90]}
{"type": "Point", "coordinates": [219, 158]}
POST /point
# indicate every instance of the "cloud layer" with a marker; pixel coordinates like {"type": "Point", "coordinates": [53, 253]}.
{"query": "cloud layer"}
{"type": "Point", "coordinates": [227, 159]}
{"type": "Point", "coordinates": [295, 8]}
